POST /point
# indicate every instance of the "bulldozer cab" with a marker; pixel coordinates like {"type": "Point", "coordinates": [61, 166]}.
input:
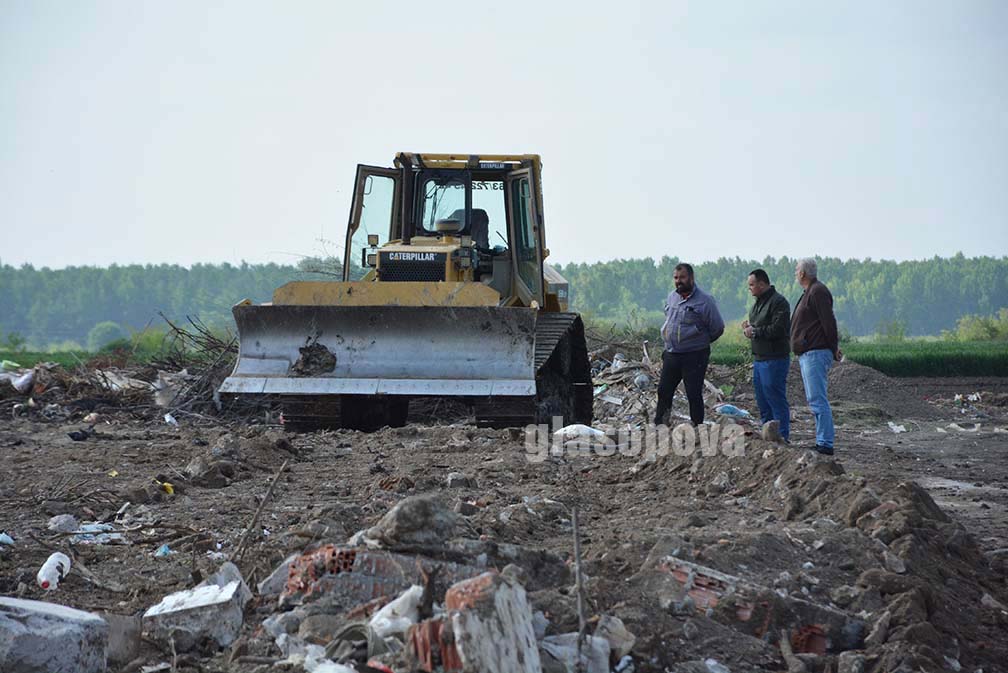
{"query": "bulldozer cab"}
{"type": "Point", "coordinates": [451, 218]}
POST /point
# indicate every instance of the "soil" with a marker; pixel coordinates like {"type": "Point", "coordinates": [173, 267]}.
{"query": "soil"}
{"type": "Point", "coordinates": [830, 531]}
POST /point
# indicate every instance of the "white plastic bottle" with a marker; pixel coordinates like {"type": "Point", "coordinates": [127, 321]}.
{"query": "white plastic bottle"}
{"type": "Point", "coordinates": [53, 570]}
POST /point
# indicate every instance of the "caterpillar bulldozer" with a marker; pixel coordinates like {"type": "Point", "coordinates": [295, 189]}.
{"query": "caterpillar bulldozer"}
{"type": "Point", "coordinates": [444, 293]}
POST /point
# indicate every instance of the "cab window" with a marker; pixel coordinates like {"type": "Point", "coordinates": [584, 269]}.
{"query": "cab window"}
{"type": "Point", "coordinates": [526, 257]}
{"type": "Point", "coordinates": [377, 208]}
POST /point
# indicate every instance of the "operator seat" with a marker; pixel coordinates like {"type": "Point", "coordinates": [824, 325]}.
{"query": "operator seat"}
{"type": "Point", "coordinates": [480, 226]}
{"type": "Point", "coordinates": [480, 230]}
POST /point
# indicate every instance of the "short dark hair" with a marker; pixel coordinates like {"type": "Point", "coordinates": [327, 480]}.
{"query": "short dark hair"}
{"type": "Point", "coordinates": [760, 275]}
{"type": "Point", "coordinates": [683, 266]}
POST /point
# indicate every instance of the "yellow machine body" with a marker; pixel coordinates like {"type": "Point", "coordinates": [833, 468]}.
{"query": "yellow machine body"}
{"type": "Point", "coordinates": [445, 292]}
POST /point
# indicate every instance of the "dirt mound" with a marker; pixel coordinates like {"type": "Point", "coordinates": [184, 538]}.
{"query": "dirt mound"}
{"type": "Point", "coordinates": [856, 392]}
{"type": "Point", "coordinates": [877, 550]}
{"type": "Point", "coordinates": [851, 382]}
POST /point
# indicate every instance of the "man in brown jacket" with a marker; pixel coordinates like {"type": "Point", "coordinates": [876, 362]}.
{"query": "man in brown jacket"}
{"type": "Point", "coordinates": [816, 342]}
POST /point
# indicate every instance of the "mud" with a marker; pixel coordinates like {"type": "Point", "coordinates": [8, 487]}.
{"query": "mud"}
{"type": "Point", "coordinates": [315, 359]}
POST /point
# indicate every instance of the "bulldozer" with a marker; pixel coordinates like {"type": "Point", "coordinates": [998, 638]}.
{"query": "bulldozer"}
{"type": "Point", "coordinates": [445, 293]}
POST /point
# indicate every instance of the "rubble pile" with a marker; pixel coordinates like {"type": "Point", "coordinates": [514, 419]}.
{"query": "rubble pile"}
{"type": "Point", "coordinates": [840, 562]}
{"type": "Point", "coordinates": [215, 544]}
{"type": "Point", "coordinates": [626, 390]}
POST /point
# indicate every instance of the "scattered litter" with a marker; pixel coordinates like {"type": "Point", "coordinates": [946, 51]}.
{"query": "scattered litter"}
{"type": "Point", "coordinates": [6, 539]}
{"type": "Point", "coordinates": [8, 366]}
{"type": "Point", "coordinates": [170, 420]}
{"type": "Point", "coordinates": [163, 550]}
{"type": "Point", "coordinates": [731, 410]}
{"type": "Point", "coordinates": [955, 426]}
{"type": "Point", "coordinates": [53, 571]}
{"type": "Point", "coordinates": [97, 533]}
{"type": "Point", "coordinates": [23, 383]}
{"type": "Point", "coordinates": [611, 399]}
{"type": "Point", "coordinates": [578, 431]}
{"type": "Point", "coordinates": [79, 435]}
{"type": "Point", "coordinates": [897, 428]}
{"type": "Point", "coordinates": [625, 665]}
{"type": "Point", "coordinates": [113, 380]}
{"type": "Point", "coordinates": [396, 617]}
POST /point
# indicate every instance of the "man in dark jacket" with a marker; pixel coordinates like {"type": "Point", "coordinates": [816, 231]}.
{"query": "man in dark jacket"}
{"type": "Point", "coordinates": [692, 323]}
{"type": "Point", "coordinates": [768, 327]}
{"type": "Point", "coordinates": [816, 342]}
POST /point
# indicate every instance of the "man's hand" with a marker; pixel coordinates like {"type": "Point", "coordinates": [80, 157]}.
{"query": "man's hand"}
{"type": "Point", "coordinates": [749, 331]}
{"type": "Point", "coordinates": [838, 356]}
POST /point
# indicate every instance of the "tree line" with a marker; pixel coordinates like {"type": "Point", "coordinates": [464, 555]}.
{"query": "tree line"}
{"type": "Point", "coordinates": [61, 307]}
{"type": "Point", "coordinates": [918, 297]}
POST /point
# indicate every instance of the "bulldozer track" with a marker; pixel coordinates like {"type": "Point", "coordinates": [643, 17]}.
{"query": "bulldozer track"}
{"type": "Point", "coordinates": [563, 379]}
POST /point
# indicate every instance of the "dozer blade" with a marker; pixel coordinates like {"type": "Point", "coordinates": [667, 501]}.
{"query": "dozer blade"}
{"type": "Point", "coordinates": [302, 351]}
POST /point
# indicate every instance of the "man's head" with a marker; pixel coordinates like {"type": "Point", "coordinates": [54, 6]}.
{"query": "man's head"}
{"type": "Point", "coordinates": [759, 282]}
{"type": "Point", "coordinates": [683, 277]}
{"type": "Point", "coordinates": [806, 272]}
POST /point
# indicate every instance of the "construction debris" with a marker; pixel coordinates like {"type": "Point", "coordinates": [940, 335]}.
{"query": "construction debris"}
{"type": "Point", "coordinates": [37, 637]}
{"type": "Point", "coordinates": [211, 611]}
{"type": "Point", "coordinates": [888, 556]}
{"type": "Point", "coordinates": [491, 623]}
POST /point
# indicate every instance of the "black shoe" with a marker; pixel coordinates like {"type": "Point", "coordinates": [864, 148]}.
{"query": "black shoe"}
{"type": "Point", "coordinates": [824, 450]}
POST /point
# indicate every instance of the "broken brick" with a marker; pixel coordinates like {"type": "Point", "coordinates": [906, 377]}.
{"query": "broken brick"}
{"type": "Point", "coordinates": [351, 576]}
{"type": "Point", "coordinates": [757, 610]}
{"type": "Point", "coordinates": [433, 645]}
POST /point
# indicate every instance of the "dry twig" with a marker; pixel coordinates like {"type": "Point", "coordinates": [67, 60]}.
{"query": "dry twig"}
{"type": "Point", "coordinates": [239, 551]}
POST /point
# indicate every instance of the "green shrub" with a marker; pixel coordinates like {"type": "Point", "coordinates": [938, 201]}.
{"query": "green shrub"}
{"type": "Point", "coordinates": [980, 328]}
{"type": "Point", "coordinates": [103, 334]}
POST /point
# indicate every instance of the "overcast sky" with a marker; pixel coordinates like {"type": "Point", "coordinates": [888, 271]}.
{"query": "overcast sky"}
{"type": "Point", "coordinates": [172, 132]}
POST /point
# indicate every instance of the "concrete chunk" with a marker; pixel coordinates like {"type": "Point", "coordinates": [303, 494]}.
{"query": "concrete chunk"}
{"type": "Point", "coordinates": [619, 638]}
{"type": "Point", "coordinates": [37, 637]}
{"type": "Point", "coordinates": [559, 654]}
{"type": "Point", "coordinates": [492, 625]}
{"type": "Point", "coordinates": [277, 581]}
{"type": "Point", "coordinates": [124, 638]}
{"type": "Point", "coordinates": [204, 612]}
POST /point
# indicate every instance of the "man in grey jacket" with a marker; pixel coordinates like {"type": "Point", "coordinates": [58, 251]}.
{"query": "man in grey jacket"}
{"type": "Point", "coordinates": [692, 324]}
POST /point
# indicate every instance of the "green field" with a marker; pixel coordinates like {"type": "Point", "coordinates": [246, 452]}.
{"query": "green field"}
{"type": "Point", "coordinates": [906, 358]}
{"type": "Point", "coordinates": [68, 359]}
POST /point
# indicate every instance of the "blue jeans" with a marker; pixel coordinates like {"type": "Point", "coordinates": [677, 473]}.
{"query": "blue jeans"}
{"type": "Point", "coordinates": [769, 378]}
{"type": "Point", "coordinates": [815, 365]}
